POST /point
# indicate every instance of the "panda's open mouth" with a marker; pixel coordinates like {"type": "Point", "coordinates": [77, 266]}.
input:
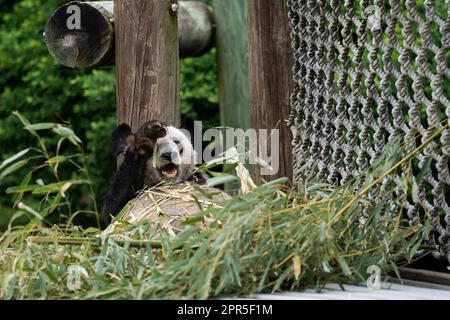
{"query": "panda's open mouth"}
{"type": "Point", "coordinates": [169, 170]}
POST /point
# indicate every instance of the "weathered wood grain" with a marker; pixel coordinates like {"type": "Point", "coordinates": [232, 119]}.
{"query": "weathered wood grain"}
{"type": "Point", "coordinates": [147, 69]}
{"type": "Point", "coordinates": [270, 73]}
{"type": "Point", "coordinates": [425, 276]}
{"type": "Point", "coordinates": [90, 45]}
{"type": "Point", "coordinates": [93, 44]}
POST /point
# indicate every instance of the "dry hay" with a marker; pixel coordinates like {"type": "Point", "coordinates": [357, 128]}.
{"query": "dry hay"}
{"type": "Point", "coordinates": [166, 207]}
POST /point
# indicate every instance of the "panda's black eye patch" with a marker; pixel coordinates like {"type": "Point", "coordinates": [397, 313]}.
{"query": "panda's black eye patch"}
{"type": "Point", "coordinates": [180, 147]}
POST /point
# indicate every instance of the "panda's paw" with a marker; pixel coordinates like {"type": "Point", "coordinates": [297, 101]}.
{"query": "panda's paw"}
{"type": "Point", "coordinates": [144, 146]}
{"type": "Point", "coordinates": [154, 130]}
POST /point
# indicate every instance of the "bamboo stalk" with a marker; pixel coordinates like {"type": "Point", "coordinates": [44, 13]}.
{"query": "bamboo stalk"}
{"type": "Point", "coordinates": [92, 241]}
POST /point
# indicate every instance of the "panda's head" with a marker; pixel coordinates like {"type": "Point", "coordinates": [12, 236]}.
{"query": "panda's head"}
{"type": "Point", "coordinates": [173, 158]}
{"type": "Point", "coordinates": [167, 153]}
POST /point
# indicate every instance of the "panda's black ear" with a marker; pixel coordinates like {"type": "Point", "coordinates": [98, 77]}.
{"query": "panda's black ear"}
{"type": "Point", "coordinates": [119, 138]}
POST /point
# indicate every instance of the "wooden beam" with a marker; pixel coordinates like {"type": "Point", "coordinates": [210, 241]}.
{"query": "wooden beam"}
{"type": "Point", "coordinates": [425, 276]}
{"type": "Point", "coordinates": [92, 44]}
{"type": "Point", "coordinates": [147, 62]}
{"type": "Point", "coordinates": [270, 73]}
{"type": "Point", "coordinates": [232, 62]}
{"type": "Point", "coordinates": [196, 28]}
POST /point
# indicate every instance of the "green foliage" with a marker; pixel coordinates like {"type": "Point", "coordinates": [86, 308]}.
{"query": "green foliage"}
{"type": "Point", "coordinates": [265, 240]}
{"type": "Point", "coordinates": [44, 91]}
{"type": "Point", "coordinates": [55, 171]}
{"type": "Point", "coordinates": [199, 95]}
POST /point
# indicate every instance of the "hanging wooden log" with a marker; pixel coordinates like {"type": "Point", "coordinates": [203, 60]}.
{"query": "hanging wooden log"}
{"type": "Point", "coordinates": [81, 34]}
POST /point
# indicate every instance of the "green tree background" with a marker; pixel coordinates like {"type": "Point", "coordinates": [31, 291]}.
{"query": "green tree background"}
{"type": "Point", "coordinates": [43, 90]}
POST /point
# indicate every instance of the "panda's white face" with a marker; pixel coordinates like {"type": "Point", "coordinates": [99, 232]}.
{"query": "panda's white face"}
{"type": "Point", "coordinates": [173, 160]}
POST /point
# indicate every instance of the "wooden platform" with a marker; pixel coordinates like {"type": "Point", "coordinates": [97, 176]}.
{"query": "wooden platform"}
{"type": "Point", "coordinates": [409, 290]}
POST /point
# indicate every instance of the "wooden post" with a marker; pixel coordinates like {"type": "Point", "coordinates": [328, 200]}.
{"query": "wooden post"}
{"type": "Point", "coordinates": [232, 62]}
{"type": "Point", "coordinates": [270, 73]}
{"type": "Point", "coordinates": [91, 43]}
{"type": "Point", "coordinates": [146, 61]}
{"type": "Point", "coordinates": [232, 65]}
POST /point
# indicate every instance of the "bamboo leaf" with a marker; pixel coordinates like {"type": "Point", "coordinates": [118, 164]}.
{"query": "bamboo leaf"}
{"type": "Point", "coordinates": [24, 183]}
{"type": "Point", "coordinates": [16, 166]}
{"type": "Point", "coordinates": [56, 160]}
{"type": "Point", "coordinates": [14, 217]}
{"type": "Point", "coordinates": [279, 181]}
{"type": "Point", "coordinates": [92, 230]}
{"type": "Point", "coordinates": [21, 189]}
{"type": "Point", "coordinates": [263, 163]}
{"type": "Point", "coordinates": [24, 207]}
{"type": "Point", "coordinates": [51, 275]}
{"type": "Point", "coordinates": [297, 265]}
{"type": "Point", "coordinates": [66, 186]}
{"type": "Point", "coordinates": [9, 286]}
{"type": "Point", "coordinates": [326, 266]}
{"type": "Point", "coordinates": [230, 168]}
{"type": "Point", "coordinates": [344, 266]}
{"type": "Point", "coordinates": [221, 180]}
{"type": "Point", "coordinates": [404, 184]}
{"type": "Point", "coordinates": [425, 169]}
{"type": "Point", "coordinates": [41, 126]}
{"type": "Point", "coordinates": [67, 133]}
{"type": "Point", "coordinates": [24, 120]}
{"type": "Point", "coordinates": [58, 186]}
{"type": "Point", "coordinates": [14, 158]}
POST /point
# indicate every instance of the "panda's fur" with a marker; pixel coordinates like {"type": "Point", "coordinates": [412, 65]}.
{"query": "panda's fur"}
{"type": "Point", "coordinates": [156, 153]}
{"type": "Point", "coordinates": [174, 159]}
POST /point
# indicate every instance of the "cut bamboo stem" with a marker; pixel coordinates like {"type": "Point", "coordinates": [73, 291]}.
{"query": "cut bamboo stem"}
{"type": "Point", "coordinates": [92, 241]}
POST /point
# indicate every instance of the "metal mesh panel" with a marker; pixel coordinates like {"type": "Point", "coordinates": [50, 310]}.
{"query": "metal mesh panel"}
{"type": "Point", "coordinates": [366, 72]}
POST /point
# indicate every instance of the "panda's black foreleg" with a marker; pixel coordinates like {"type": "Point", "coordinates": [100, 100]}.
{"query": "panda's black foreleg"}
{"type": "Point", "coordinates": [128, 180]}
{"type": "Point", "coordinates": [137, 150]}
{"type": "Point", "coordinates": [130, 177]}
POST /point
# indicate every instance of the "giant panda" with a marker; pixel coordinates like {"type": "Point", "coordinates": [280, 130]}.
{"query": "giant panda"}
{"type": "Point", "coordinates": [156, 153]}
